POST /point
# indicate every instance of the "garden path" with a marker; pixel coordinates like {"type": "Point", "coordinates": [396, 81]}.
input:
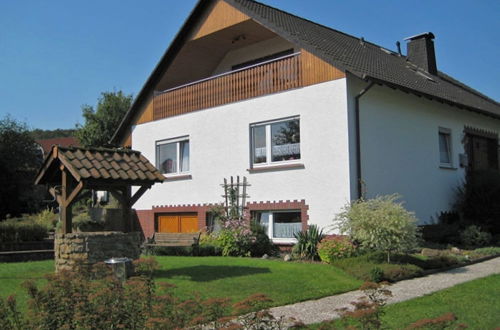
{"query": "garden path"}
{"type": "Point", "coordinates": [315, 311]}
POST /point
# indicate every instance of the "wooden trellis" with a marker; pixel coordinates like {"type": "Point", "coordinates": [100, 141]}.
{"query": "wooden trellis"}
{"type": "Point", "coordinates": [235, 196]}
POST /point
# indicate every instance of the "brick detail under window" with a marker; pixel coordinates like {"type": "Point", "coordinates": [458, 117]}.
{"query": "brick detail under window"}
{"type": "Point", "coordinates": [282, 205]}
{"type": "Point", "coordinates": [147, 218]}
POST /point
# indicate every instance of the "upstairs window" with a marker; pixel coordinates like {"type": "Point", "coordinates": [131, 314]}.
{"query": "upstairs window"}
{"type": "Point", "coordinates": [445, 155]}
{"type": "Point", "coordinates": [275, 142]}
{"type": "Point", "coordinates": [172, 156]}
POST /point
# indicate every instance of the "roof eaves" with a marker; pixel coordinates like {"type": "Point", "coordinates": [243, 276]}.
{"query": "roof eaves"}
{"type": "Point", "coordinates": [432, 97]}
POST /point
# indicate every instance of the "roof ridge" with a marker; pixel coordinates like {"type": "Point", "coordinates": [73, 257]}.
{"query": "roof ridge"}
{"type": "Point", "coordinates": [360, 39]}
{"type": "Point", "coordinates": [98, 149]}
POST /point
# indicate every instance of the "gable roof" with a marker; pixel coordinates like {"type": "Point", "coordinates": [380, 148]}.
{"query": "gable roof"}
{"type": "Point", "coordinates": [363, 59]}
{"type": "Point", "coordinates": [366, 60]}
{"type": "Point", "coordinates": [102, 164]}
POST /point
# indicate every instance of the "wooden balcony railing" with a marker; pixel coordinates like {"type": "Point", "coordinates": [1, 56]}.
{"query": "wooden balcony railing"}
{"type": "Point", "coordinates": [261, 79]}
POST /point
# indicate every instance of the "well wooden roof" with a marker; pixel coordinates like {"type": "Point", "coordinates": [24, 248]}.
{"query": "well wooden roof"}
{"type": "Point", "coordinates": [99, 165]}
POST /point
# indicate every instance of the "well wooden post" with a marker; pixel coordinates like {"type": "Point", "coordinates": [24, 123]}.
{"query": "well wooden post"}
{"type": "Point", "coordinates": [65, 207]}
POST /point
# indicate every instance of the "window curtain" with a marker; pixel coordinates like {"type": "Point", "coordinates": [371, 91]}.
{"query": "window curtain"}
{"type": "Point", "coordinates": [286, 230]}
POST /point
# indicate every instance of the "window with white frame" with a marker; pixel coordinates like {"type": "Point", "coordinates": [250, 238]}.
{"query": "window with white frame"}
{"type": "Point", "coordinates": [445, 155]}
{"type": "Point", "coordinates": [279, 225]}
{"type": "Point", "coordinates": [172, 156]}
{"type": "Point", "coordinates": [275, 141]}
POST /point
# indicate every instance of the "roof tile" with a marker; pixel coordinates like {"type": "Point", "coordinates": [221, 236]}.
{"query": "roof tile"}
{"type": "Point", "coordinates": [111, 164]}
{"type": "Point", "coordinates": [365, 59]}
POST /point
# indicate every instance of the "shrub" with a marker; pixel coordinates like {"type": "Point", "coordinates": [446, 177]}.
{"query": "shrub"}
{"type": "Point", "coordinates": [486, 251]}
{"type": "Point", "coordinates": [362, 267]}
{"type": "Point", "coordinates": [335, 247]}
{"type": "Point", "coordinates": [477, 199]}
{"type": "Point", "coordinates": [441, 233]}
{"type": "Point", "coordinates": [380, 224]}
{"type": "Point", "coordinates": [234, 239]}
{"type": "Point", "coordinates": [47, 218]}
{"type": "Point", "coordinates": [261, 244]}
{"type": "Point", "coordinates": [237, 238]}
{"type": "Point", "coordinates": [95, 299]}
{"type": "Point", "coordinates": [394, 273]}
{"type": "Point", "coordinates": [307, 242]}
{"type": "Point", "coordinates": [12, 232]}
{"type": "Point", "coordinates": [206, 250]}
{"type": "Point", "coordinates": [83, 222]}
{"type": "Point", "coordinates": [473, 236]}
{"type": "Point", "coordinates": [169, 250]}
{"type": "Point", "coordinates": [376, 274]}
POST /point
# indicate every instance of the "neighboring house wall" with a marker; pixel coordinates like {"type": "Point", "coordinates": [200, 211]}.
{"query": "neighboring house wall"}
{"type": "Point", "coordinates": [220, 148]}
{"type": "Point", "coordinates": [400, 146]}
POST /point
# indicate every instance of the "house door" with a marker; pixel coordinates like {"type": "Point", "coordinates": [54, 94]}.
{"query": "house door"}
{"type": "Point", "coordinates": [482, 152]}
{"type": "Point", "coordinates": [178, 223]}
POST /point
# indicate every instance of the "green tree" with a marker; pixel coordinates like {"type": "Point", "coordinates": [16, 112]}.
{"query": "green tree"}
{"type": "Point", "coordinates": [380, 224]}
{"type": "Point", "coordinates": [40, 134]}
{"type": "Point", "coordinates": [101, 123]}
{"type": "Point", "coordinates": [19, 164]}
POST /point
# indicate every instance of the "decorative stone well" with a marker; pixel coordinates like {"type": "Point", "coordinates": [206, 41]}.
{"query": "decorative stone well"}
{"type": "Point", "coordinates": [88, 248]}
{"type": "Point", "coordinates": [70, 173]}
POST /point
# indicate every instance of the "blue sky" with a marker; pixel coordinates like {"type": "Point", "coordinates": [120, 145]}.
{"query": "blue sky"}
{"type": "Point", "coordinates": [57, 55]}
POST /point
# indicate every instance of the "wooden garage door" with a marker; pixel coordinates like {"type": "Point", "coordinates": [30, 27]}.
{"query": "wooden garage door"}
{"type": "Point", "coordinates": [178, 223]}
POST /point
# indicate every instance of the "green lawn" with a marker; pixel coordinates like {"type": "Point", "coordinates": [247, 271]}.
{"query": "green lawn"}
{"type": "Point", "coordinates": [13, 274]}
{"type": "Point", "coordinates": [475, 303]}
{"type": "Point", "coordinates": [236, 278]}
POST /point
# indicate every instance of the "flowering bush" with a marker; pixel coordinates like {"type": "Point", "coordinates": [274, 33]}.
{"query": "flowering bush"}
{"type": "Point", "coordinates": [235, 238]}
{"type": "Point", "coordinates": [380, 224]}
{"type": "Point", "coordinates": [335, 247]}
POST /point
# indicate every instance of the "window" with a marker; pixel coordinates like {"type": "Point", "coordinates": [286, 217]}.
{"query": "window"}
{"type": "Point", "coordinates": [280, 225]}
{"type": "Point", "coordinates": [445, 158]}
{"type": "Point", "coordinates": [274, 142]}
{"type": "Point", "coordinates": [262, 59]}
{"type": "Point", "coordinates": [172, 156]}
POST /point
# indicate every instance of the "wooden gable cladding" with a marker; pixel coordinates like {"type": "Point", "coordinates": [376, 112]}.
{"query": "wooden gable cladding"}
{"type": "Point", "coordinates": [315, 70]}
{"type": "Point", "coordinates": [146, 114]}
{"type": "Point", "coordinates": [127, 142]}
{"type": "Point", "coordinates": [222, 16]}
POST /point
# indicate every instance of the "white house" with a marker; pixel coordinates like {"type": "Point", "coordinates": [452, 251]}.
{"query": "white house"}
{"type": "Point", "coordinates": [310, 115]}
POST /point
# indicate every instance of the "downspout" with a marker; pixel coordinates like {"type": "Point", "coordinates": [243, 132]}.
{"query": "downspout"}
{"type": "Point", "coordinates": [358, 138]}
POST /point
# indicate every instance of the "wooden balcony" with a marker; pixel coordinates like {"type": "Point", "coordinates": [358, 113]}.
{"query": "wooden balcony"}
{"type": "Point", "coordinates": [264, 78]}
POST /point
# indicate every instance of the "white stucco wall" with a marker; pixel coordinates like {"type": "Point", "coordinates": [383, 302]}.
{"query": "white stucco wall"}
{"type": "Point", "coordinates": [400, 149]}
{"type": "Point", "coordinates": [220, 147]}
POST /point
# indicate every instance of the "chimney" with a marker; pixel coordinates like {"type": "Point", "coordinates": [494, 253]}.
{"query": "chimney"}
{"type": "Point", "coordinates": [420, 51]}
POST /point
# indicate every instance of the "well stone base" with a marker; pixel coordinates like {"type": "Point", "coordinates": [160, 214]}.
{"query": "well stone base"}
{"type": "Point", "coordinates": [88, 248]}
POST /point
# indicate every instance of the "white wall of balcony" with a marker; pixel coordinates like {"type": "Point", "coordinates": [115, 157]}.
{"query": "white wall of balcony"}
{"type": "Point", "coordinates": [220, 148]}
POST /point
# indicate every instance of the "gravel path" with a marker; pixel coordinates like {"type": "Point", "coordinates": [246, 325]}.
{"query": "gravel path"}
{"type": "Point", "coordinates": [314, 311]}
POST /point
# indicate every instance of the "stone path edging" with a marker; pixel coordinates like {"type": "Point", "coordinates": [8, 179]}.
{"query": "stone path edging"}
{"type": "Point", "coordinates": [315, 311]}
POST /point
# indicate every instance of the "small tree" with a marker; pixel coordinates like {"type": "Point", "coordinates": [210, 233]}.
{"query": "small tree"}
{"type": "Point", "coordinates": [19, 164]}
{"type": "Point", "coordinates": [380, 224]}
{"type": "Point", "coordinates": [101, 123]}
